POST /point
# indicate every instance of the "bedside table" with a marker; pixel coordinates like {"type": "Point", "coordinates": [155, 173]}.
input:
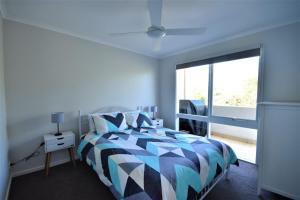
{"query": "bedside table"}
{"type": "Point", "coordinates": [159, 123]}
{"type": "Point", "coordinates": [55, 143]}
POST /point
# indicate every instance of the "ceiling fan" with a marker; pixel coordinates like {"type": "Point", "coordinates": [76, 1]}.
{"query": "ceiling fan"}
{"type": "Point", "coordinates": [156, 30]}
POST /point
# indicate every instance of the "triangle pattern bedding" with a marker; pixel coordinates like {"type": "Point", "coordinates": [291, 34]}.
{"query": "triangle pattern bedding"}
{"type": "Point", "coordinates": [156, 163]}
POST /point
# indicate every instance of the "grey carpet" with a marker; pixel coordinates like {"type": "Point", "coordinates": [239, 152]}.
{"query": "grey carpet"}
{"type": "Point", "coordinates": [66, 182]}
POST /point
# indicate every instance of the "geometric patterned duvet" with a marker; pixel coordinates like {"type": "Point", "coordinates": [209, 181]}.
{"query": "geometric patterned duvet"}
{"type": "Point", "coordinates": [155, 163]}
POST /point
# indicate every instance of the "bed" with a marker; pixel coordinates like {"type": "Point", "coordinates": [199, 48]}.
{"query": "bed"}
{"type": "Point", "coordinates": [156, 163]}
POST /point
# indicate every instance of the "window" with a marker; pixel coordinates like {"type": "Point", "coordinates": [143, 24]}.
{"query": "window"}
{"type": "Point", "coordinates": [218, 96]}
{"type": "Point", "coordinates": [235, 88]}
{"type": "Point", "coordinates": [225, 86]}
{"type": "Point", "coordinates": [192, 84]}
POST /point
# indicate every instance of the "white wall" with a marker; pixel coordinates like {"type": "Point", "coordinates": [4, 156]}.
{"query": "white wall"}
{"type": "Point", "coordinates": [4, 171]}
{"type": "Point", "coordinates": [282, 68]}
{"type": "Point", "coordinates": [48, 71]}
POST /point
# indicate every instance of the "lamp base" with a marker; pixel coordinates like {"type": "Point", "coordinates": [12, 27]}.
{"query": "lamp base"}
{"type": "Point", "coordinates": [58, 134]}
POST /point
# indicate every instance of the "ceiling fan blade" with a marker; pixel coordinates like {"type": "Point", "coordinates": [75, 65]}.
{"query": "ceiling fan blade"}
{"type": "Point", "coordinates": [155, 11]}
{"type": "Point", "coordinates": [127, 34]}
{"type": "Point", "coordinates": [157, 44]}
{"type": "Point", "coordinates": [185, 31]}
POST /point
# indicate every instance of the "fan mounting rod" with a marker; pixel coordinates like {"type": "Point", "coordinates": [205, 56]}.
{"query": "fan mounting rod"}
{"type": "Point", "coordinates": [156, 31]}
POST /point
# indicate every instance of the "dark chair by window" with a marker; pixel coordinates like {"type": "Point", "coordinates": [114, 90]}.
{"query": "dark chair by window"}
{"type": "Point", "coordinates": [194, 107]}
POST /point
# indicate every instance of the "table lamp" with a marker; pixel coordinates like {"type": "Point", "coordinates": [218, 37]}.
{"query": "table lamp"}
{"type": "Point", "coordinates": [58, 118]}
{"type": "Point", "coordinates": [154, 110]}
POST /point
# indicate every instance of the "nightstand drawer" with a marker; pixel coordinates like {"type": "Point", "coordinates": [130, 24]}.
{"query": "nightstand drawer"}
{"type": "Point", "coordinates": [53, 143]}
{"type": "Point", "coordinates": [159, 123]}
{"type": "Point", "coordinates": [59, 145]}
{"type": "Point", "coordinates": [59, 139]}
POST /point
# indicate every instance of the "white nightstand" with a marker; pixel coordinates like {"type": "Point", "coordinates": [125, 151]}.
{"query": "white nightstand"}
{"type": "Point", "coordinates": [159, 123]}
{"type": "Point", "coordinates": [55, 143]}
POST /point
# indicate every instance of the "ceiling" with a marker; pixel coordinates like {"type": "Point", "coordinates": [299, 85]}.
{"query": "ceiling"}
{"type": "Point", "coordinates": [95, 19]}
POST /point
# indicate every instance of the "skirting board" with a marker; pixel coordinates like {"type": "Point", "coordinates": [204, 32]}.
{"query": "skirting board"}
{"type": "Point", "coordinates": [40, 167]}
{"type": "Point", "coordinates": [8, 187]}
{"type": "Point", "coordinates": [277, 191]}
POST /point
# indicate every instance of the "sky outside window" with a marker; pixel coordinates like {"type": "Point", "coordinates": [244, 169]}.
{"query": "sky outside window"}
{"type": "Point", "coordinates": [234, 83]}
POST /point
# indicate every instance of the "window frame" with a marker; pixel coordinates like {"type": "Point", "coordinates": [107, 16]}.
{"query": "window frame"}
{"type": "Point", "coordinates": [243, 53]}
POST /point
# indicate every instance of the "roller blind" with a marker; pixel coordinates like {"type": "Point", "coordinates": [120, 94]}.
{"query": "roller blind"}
{"type": "Point", "coordinates": [222, 58]}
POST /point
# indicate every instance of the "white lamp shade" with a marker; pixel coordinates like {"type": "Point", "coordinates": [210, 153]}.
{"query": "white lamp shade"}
{"type": "Point", "coordinates": [154, 108]}
{"type": "Point", "coordinates": [57, 117]}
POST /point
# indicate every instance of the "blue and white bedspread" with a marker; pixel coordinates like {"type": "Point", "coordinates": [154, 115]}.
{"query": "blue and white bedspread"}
{"type": "Point", "coordinates": [155, 163]}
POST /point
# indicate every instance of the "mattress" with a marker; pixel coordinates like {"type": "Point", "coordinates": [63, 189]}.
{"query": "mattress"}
{"type": "Point", "coordinates": [155, 163]}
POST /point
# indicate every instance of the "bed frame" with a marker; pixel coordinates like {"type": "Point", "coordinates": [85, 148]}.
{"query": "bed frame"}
{"type": "Point", "coordinates": [122, 109]}
{"type": "Point", "coordinates": [216, 181]}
